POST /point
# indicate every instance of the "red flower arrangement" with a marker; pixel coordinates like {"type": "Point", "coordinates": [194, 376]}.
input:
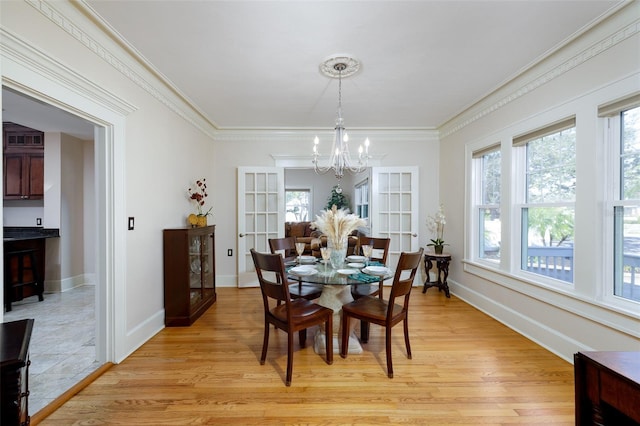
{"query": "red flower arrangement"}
{"type": "Point", "coordinates": [198, 195]}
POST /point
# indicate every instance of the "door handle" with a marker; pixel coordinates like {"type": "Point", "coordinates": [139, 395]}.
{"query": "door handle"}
{"type": "Point", "coordinates": [241, 235]}
{"type": "Point", "coordinates": [414, 235]}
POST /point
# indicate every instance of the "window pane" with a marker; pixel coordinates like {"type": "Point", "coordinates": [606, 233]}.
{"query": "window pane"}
{"type": "Point", "coordinates": [491, 178]}
{"type": "Point", "coordinates": [547, 241]}
{"type": "Point", "coordinates": [551, 168]}
{"type": "Point", "coordinates": [490, 227]}
{"type": "Point", "coordinates": [630, 154]}
{"type": "Point", "coordinates": [627, 249]}
{"type": "Point", "coordinates": [297, 205]}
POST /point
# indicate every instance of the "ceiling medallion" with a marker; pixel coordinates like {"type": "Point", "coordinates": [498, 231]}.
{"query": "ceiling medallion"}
{"type": "Point", "coordinates": [349, 66]}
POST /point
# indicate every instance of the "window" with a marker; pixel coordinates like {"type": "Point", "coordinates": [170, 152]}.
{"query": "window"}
{"type": "Point", "coordinates": [624, 125]}
{"type": "Point", "coordinates": [297, 204]}
{"type": "Point", "coordinates": [487, 163]}
{"type": "Point", "coordinates": [547, 215]}
{"type": "Point", "coordinates": [362, 199]}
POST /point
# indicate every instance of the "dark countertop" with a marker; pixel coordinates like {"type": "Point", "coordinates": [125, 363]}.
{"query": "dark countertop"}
{"type": "Point", "coordinates": [18, 233]}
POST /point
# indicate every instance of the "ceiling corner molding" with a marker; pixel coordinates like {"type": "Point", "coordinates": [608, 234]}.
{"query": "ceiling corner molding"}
{"type": "Point", "coordinates": [491, 104]}
{"type": "Point", "coordinates": [306, 161]}
{"type": "Point", "coordinates": [307, 135]}
{"type": "Point", "coordinates": [190, 112]}
{"type": "Point", "coordinates": [17, 53]}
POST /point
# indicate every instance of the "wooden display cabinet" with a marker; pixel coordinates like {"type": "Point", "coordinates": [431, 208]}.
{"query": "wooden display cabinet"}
{"type": "Point", "coordinates": [23, 161]}
{"type": "Point", "coordinates": [189, 274]}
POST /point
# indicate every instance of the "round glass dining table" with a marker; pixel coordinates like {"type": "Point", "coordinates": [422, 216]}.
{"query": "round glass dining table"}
{"type": "Point", "coordinates": [336, 291]}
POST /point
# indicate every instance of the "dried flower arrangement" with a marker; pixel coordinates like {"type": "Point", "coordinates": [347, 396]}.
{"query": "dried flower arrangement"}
{"type": "Point", "coordinates": [337, 225]}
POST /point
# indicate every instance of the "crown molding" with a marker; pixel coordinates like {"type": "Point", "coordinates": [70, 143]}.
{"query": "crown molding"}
{"type": "Point", "coordinates": [496, 101]}
{"type": "Point", "coordinates": [146, 77]}
{"type": "Point", "coordinates": [14, 50]}
{"type": "Point", "coordinates": [307, 135]}
{"type": "Point", "coordinates": [306, 161]}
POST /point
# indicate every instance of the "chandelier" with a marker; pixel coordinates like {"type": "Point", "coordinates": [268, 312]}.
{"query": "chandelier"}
{"type": "Point", "coordinates": [340, 158]}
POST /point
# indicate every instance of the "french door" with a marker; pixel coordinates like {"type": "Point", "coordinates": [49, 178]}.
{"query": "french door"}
{"type": "Point", "coordinates": [394, 209]}
{"type": "Point", "coordinates": [260, 216]}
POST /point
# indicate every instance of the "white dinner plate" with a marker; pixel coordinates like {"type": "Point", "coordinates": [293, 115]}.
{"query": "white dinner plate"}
{"type": "Point", "coordinates": [347, 271]}
{"type": "Point", "coordinates": [355, 265]}
{"type": "Point", "coordinates": [308, 259]}
{"type": "Point", "coordinates": [376, 270]}
{"type": "Point", "coordinates": [354, 258]}
{"type": "Point", "coordinates": [303, 270]}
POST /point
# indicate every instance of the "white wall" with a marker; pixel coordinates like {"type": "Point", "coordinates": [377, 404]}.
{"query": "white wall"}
{"type": "Point", "coordinates": [154, 146]}
{"type": "Point", "coordinates": [602, 65]}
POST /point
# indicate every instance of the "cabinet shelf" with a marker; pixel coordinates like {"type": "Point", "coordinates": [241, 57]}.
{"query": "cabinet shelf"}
{"type": "Point", "coordinates": [189, 274]}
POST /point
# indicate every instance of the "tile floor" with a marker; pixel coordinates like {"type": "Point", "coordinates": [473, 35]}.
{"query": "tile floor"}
{"type": "Point", "coordinates": [62, 348]}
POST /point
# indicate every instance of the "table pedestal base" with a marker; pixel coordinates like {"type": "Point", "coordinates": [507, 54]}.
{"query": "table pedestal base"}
{"type": "Point", "coordinates": [333, 297]}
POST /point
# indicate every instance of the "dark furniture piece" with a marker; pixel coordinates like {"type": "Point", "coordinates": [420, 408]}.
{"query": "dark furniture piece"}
{"type": "Point", "coordinates": [189, 274]}
{"type": "Point", "coordinates": [14, 369]}
{"type": "Point", "coordinates": [442, 264]}
{"type": "Point", "coordinates": [288, 245]}
{"type": "Point", "coordinates": [607, 388]}
{"type": "Point", "coordinates": [284, 313]}
{"type": "Point", "coordinates": [385, 312]}
{"type": "Point", "coordinates": [381, 249]}
{"type": "Point", "coordinates": [24, 262]}
{"type": "Point", "coordinates": [21, 273]}
{"type": "Point", "coordinates": [23, 159]}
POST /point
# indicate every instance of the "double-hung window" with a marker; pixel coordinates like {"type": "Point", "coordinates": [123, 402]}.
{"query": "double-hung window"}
{"type": "Point", "coordinates": [548, 160]}
{"type": "Point", "coordinates": [623, 137]}
{"type": "Point", "coordinates": [486, 166]}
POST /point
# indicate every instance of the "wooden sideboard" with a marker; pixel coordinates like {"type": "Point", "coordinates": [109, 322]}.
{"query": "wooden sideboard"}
{"type": "Point", "coordinates": [607, 388]}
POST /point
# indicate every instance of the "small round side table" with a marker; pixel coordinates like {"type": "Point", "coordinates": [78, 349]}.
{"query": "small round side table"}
{"type": "Point", "coordinates": [442, 263]}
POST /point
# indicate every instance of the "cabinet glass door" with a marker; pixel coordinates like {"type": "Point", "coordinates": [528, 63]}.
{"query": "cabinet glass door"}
{"type": "Point", "coordinates": [195, 275]}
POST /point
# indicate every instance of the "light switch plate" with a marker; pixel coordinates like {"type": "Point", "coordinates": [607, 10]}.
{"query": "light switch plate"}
{"type": "Point", "coordinates": [131, 223]}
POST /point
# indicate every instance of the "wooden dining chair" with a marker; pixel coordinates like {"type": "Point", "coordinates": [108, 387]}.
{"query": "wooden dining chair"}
{"type": "Point", "coordinates": [386, 313]}
{"type": "Point", "coordinates": [290, 315]}
{"type": "Point", "coordinates": [380, 253]}
{"type": "Point", "coordinates": [297, 290]}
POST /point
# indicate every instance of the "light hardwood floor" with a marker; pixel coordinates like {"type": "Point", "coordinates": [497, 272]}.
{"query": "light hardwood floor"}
{"type": "Point", "coordinates": [466, 369]}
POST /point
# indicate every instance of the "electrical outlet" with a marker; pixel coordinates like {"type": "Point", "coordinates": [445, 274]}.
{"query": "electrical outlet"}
{"type": "Point", "coordinates": [39, 221]}
{"type": "Point", "coordinates": [230, 252]}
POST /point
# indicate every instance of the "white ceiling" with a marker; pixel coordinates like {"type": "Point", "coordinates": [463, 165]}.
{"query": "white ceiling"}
{"type": "Point", "coordinates": [255, 64]}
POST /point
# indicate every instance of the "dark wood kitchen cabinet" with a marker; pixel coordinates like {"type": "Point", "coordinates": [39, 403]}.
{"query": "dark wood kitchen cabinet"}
{"type": "Point", "coordinates": [189, 274]}
{"type": "Point", "coordinates": [23, 162]}
{"type": "Point", "coordinates": [15, 337]}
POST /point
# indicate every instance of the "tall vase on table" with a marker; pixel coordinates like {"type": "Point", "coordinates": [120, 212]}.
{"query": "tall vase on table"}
{"type": "Point", "coordinates": [338, 252]}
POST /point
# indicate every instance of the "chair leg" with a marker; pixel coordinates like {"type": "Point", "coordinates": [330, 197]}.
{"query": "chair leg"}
{"type": "Point", "coordinates": [289, 358]}
{"type": "Point", "coordinates": [329, 339]}
{"type": "Point", "coordinates": [265, 343]}
{"type": "Point", "coordinates": [364, 331]}
{"type": "Point", "coordinates": [406, 338]}
{"type": "Point", "coordinates": [388, 345]}
{"type": "Point", "coordinates": [345, 335]}
{"type": "Point", "coordinates": [302, 336]}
